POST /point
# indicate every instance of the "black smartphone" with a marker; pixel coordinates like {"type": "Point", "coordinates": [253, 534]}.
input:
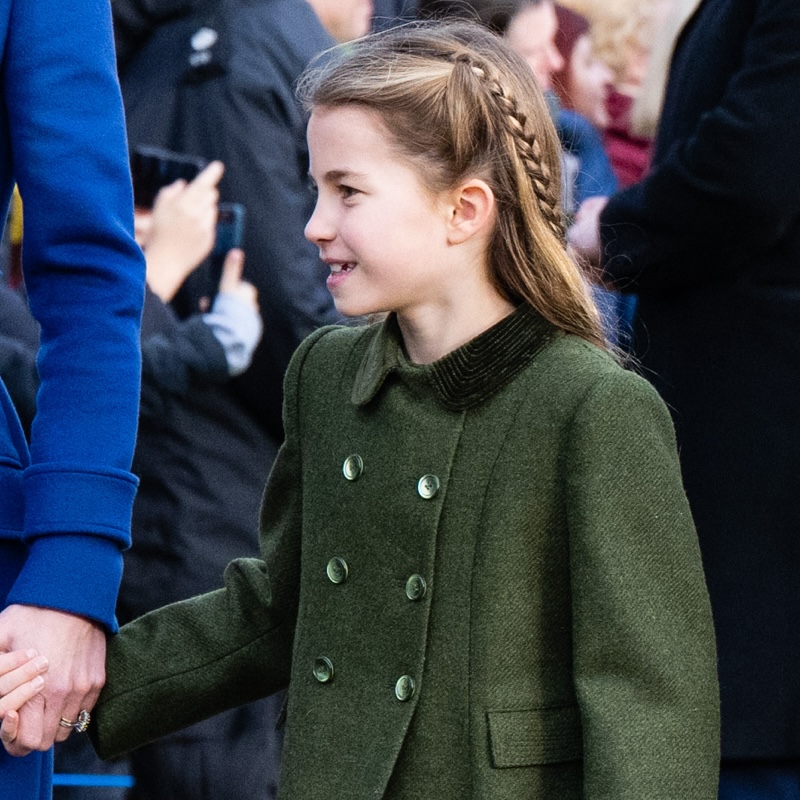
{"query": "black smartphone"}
{"type": "Point", "coordinates": [153, 168]}
{"type": "Point", "coordinates": [230, 228]}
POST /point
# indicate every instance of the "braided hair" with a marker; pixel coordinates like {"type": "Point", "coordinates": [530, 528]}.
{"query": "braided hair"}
{"type": "Point", "coordinates": [457, 104]}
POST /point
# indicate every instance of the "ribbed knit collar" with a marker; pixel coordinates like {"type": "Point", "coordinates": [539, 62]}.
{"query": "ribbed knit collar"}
{"type": "Point", "coordinates": [468, 375]}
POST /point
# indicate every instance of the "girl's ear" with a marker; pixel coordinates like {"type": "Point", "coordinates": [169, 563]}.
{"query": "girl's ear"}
{"type": "Point", "coordinates": [471, 211]}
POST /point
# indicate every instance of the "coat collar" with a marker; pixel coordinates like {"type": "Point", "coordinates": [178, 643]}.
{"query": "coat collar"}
{"type": "Point", "coordinates": [468, 375]}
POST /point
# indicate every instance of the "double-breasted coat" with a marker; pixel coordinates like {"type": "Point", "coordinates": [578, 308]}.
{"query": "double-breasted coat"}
{"type": "Point", "coordinates": [479, 578]}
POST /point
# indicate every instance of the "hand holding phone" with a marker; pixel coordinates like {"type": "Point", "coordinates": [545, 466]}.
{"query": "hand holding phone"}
{"type": "Point", "coordinates": [153, 169]}
{"type": "Point", "coordinates": [182, 230]}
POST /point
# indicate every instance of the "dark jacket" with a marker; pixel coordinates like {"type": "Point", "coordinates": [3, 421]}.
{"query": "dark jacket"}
{"type": "Point", "coordinates": [480, 575]}
{"type": "Point", "coordinates": [19, 343]}
{"type": "Point", "coordinates": [201, 463]}
{"type": "Point", "coordinates": [240, 109]}
{"type": "Point", "coordinates": [710, 241]}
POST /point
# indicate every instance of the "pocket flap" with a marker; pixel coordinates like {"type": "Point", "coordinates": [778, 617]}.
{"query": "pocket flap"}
{"type": "Point", "coordinates": [535, 736]}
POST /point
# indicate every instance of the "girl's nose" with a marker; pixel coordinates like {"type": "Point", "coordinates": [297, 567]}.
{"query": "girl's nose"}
{"type": "Point", "coordinates": [317, 229]}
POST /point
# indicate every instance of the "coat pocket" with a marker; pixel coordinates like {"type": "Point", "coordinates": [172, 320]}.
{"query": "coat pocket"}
{"type": "Point", "coordinates": [535, 736]}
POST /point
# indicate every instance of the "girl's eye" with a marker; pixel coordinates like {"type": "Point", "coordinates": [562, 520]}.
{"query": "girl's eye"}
{"type": "Point", "coordinates": [347, 191]}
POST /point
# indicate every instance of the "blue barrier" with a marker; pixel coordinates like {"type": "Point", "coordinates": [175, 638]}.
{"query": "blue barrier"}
{"type": "Point", "coordinates": [117, 781]}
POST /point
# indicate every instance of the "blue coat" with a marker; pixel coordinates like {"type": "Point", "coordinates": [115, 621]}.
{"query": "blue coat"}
{"type": "Point", "coordinates": [65, 504]}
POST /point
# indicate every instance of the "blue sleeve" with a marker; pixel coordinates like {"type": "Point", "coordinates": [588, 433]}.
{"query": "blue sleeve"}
{"type": "Point", "coordinates": [85, 280]}
{"type": "Point", "coordinates": [579, 137]}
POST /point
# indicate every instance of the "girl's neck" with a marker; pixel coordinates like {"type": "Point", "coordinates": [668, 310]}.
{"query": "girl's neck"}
{"type": "Point", "coordinates": [431, 333]}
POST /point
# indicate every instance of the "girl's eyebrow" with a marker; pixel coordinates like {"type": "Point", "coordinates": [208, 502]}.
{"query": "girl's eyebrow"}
{"type": "Point", "coordinates": [334, 175]}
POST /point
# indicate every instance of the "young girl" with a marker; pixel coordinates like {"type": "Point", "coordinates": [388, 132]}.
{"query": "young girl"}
{"type": "Point", "coordinates": [479, 575]}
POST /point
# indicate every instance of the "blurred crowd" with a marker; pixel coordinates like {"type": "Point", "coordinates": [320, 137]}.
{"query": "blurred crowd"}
{"type": "Point", "coordinates": [223, 315]}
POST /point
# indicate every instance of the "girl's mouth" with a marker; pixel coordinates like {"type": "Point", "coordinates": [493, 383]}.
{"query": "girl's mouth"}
{"type": "Point", "coordinates": [339, 273]}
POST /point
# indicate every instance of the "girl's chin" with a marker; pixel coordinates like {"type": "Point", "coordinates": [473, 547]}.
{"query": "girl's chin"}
{"type": "Point", "coordinates": [354, 308]}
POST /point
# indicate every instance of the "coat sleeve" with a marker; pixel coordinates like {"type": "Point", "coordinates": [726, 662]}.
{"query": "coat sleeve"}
{"type": "Point", "coordinates": [198, 657]}
{"type": "Point", "coordinates": [726, 191]}
{"type": "Point", "coordinates": [178, 356]}
{"type": "Point", "coordinates": [643, 649]}
{"type": "Point", "coordinates": [85, 280]}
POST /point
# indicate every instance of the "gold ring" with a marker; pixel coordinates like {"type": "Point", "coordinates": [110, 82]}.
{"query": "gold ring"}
{"type": "Point", "coordinates": [79, 725]}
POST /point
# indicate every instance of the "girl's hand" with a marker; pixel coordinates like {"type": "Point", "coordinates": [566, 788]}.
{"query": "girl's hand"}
{"type": "Point", "coordinates": [20, 679]}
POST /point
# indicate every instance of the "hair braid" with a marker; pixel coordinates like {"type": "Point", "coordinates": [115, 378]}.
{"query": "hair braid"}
{"type": "Point", "coordinates": [526, 145]}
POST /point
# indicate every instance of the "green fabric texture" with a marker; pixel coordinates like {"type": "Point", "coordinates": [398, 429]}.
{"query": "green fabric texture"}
{"type": "Point", "coordinates": [562, 645]}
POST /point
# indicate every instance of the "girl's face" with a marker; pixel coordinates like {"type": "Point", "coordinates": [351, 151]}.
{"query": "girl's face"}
{"type": "Point", "coordinates": [589, 83]}
{"type": "Point", "coordinates": [381, 231]}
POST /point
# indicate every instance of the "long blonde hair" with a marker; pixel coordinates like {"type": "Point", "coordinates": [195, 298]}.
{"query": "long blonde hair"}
{"type": "Point", "coordinates": [458, 103]}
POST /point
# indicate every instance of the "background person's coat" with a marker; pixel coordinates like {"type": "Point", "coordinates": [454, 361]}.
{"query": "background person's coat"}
{"type": "Point", "coordinates": [710, 242]}
{"type": "Point", "coordinates": [481, 574]}
{"type": "Point", "coordinates": [241, 109]}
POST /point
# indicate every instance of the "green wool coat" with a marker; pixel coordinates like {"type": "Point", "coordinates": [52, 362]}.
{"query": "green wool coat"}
{"type": "Point", "coordinates": [479, 578]}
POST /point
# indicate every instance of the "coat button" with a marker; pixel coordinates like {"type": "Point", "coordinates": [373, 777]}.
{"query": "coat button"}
{"type": "Point", "coordinates": [353, 467]}
{"type": "Point", "coordinates": [428, 486]}
{"type": "Point", "coordinates": [416, 587]}
{"type": "Point", "coordinates": [404, 688]}
{"type": "Point", "coordinates": [337, 570]}
{"type": "Point", "coordinates": [323, 669]}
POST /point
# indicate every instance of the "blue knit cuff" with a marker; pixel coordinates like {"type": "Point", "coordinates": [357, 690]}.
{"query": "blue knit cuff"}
{"type": "Point", "coordinates": [77, 574]}
{"type": "Point", "coordinates": [65, 498]}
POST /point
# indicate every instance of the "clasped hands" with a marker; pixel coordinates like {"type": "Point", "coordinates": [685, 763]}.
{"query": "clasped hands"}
{"type": "Point", "coordinates": [52, 667]}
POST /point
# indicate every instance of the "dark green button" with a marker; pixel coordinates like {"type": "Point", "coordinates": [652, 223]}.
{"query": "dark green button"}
{"type": "Point", "coordinates": [416, 587]}
{"type": "Point", "coordinates": [404, 688]}
{"type": "Point", "coordinates": [353, 467]}
{"type": "Point", "coordinates": [428, 486]}
{"type": "Point", "coordinates": [323, 669]}
{"type": "Point", "coordinates": [337, 570]}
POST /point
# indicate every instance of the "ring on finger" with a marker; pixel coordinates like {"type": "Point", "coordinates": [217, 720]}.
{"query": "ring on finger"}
{"type": "Point", "coordinates": [79, 725]}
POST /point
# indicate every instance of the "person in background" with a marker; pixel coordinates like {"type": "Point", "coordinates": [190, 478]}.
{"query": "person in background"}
{"type": "Point", "coordinates": [217, 81]}
{"type": "Point", "coordinates": [710, 241]}
{"type": "Point", "coordinates": [623, 33]}
{"type": "Point", "coordinates": [65, 501]}
{"type": "Point", "coordinates": [583, 84]}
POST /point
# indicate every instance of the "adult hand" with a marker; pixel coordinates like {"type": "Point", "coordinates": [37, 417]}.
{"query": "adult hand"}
{"type": "Point", "coordinates": [75, 648]}
{"type": "Point", "coordinates": [182, 230]}
{"type": "Point", "coordinates": [231, 281]}
{"type": "Point", "coordinates": [583, 237]}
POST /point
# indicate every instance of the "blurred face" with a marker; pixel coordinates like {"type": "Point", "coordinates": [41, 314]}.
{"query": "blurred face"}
{"type": "Point", "coordinates": [344, 19]}
{"type": "Point", "coordinates": [532, 34]}
{"type": "Point", "coordinates": [589, 83]}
